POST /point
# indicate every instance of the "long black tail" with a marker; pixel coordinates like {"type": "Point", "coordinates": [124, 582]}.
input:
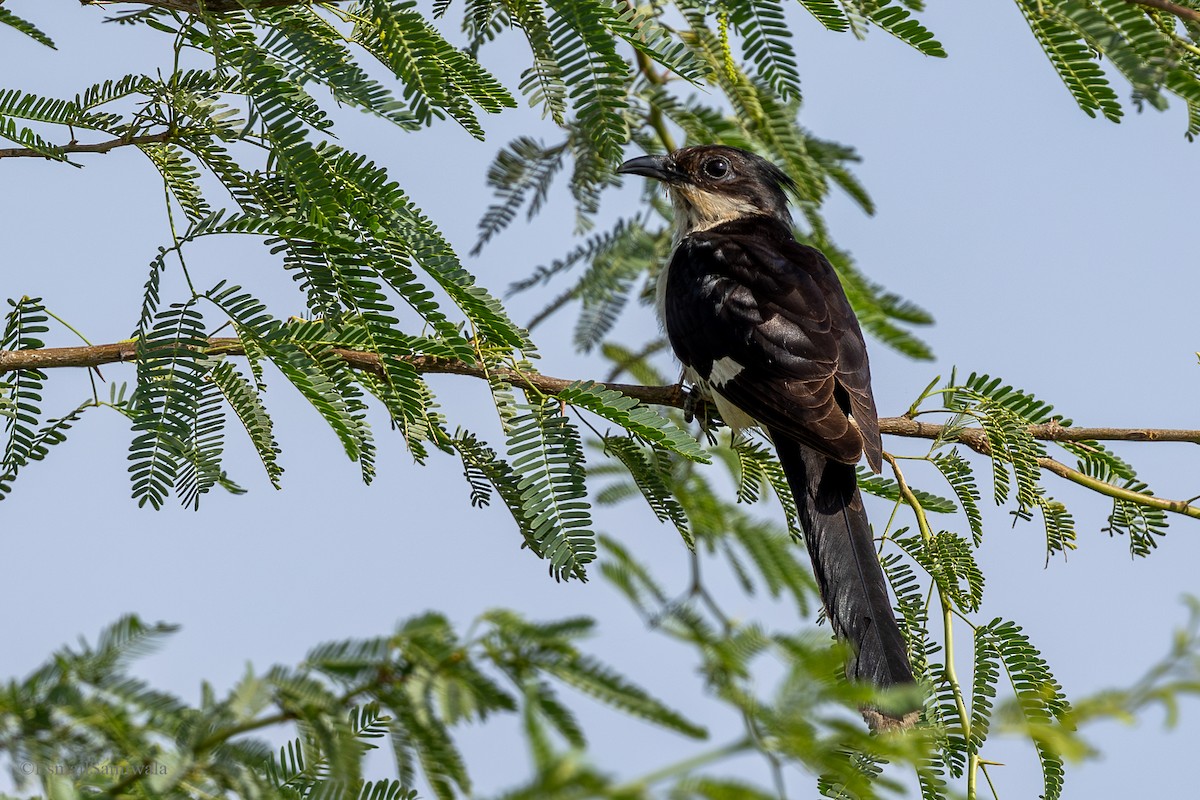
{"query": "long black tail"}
{"type": "Point", "coordinates": [852, 584]}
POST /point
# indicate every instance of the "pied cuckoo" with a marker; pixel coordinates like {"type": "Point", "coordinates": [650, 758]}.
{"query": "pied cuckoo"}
{"type": "Point", "coordinates": [765, 331]}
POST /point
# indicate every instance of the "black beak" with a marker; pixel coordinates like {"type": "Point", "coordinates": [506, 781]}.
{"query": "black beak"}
{"type": "Point", "coordinates": [659, 167]}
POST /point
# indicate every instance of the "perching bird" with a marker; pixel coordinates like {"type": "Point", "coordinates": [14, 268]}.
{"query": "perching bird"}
{"type": "Point", "coordinates": [764, 329]}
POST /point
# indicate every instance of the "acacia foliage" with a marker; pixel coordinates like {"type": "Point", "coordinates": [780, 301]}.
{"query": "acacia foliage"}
{"type": "Point", "coordinates": [243, 139]}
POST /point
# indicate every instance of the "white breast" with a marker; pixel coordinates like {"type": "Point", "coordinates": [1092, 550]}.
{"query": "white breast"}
{"type": "Point", "coordinates": [723, 369]}
{"type": "Point", "coordinates": [734, 417]}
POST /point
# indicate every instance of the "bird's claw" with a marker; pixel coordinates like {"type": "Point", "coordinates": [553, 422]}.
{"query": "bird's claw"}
{"type": "Point", "coordinates": [691, 399]}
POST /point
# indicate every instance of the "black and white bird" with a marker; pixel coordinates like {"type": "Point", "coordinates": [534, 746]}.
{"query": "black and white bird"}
{"type": "Point", "coordinates": [764, 330]}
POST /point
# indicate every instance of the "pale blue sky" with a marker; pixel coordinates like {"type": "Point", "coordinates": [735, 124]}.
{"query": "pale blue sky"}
{"type": "Point", "coordinates": [1054, 250]}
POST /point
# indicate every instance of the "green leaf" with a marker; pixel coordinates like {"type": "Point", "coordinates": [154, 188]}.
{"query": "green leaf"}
{"type": "Point", "coordinates": [181, 176]}
{"type": "Point", "coordinates": [1040, 701]}
{"type": "Point", "coordinates": [167, 401]}
{"type": "Point", "coordinates": [950, 559]}
{"type": "Point", "coordinates": [705, 788]}
{"type": "Point", "coordinates": [983, 686]}
{"type": "Point", "coordinates": [594, 75]}
{"type": "Point", "coordinates": [943, 709]}
{"type": "Point", "coordinates": [611, 688]}
{"type": "Point", "coordinates": [641, 421]}
{"type": "Point", "coordinates": [23, 326]}
{"type": "Point", "coordinates": [765, 43]}
{"type": "Point", "coordinates": [521, 647]}
{"type": "Point", "coordinates": [758, 467]}
{"type": "Point", "coordinates": [1074, 61]}
{"type": "Point", "coordinates": [523, 169]}
{"type": "Point", "coordinates": [650, 469]}
{"type": "Point", "coordinates": [542, 83]}
{"type": "Point", "coordinates": [828, 12]}
{"type": "Point", "coordinates": [1186, 84]}
{"type": "Point", "coordinates": [594, 248]}
{"type": "Point", "coordinates": [1019, 402]}
{"type": "Point", "coordinates": [637, 364]}
{"type": "Point", "coordinates": [109, 90]}
{"type": "Point", "coordinates": [541, 700]}
{"type": "Point", "coordinates": [244, 399]}
{"type": "Point", "coordinates": [438, 76]}
{"type": "Point", "coordinates": [26, 105]}
{"type": "Point", "coordinates": [914, 619]}
{"type": "Point", "coordinates": [1142, 524]}
{"type": "Point", "coordinates": [200, 454]}
{"type": "Point", "coordinates": [888, 489]}
{"type": "Point", "coordinates": [28, 28]}
{"type": "Point", "coordinates": [440, 759]}
{"type": "Point", "coordinates": [780, 561]}
{"type": "Point", "coordinates": [53, 432]}
{"type": "Point", "coordinates": [1127, 37]}
{"type": "Point", "coordinates": [958, 473]}
{"type": "Point", "coordinates": [316, 51]}
{"type": "Point", "coordinates": [897, 21]}
{"type": "Point", "coordinates": [30, 140]}
{"type": "Point", "coordinates": [1060, 526]}
{"type": "Point", "coordinates": [644, 31]}
{"type": "Point", "coordinates": [327, 383]}
{"type": "Point", "coordinates": [1005, 414]}
{"type": "Point", "coordinates": [631, 578]}
{"type": "Point", "coordinates": [547, 459]}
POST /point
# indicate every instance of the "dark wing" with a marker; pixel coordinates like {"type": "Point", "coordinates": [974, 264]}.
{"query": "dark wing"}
{"type": "Point", "coordinates": [765, 321]}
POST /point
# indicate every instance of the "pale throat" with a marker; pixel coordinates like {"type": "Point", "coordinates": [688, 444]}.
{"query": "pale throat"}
{"type": "Point", "coordinates": [698, 210]}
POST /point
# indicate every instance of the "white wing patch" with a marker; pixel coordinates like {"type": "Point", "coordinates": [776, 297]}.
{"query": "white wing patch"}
{"type": "Point", "coordinates": [734, 417]}
{"type": "Point", "coordinates": [724, 370]}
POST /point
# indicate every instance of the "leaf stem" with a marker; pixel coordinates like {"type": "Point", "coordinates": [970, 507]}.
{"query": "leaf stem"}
{"type": "Point", "coordinates": [1117, 492]}
{"type": "Point", "coordinates": [66, 325]}
{"type": "Point", "coordinates": [1186, 45]}
{"type": "Point", "coordinates": [947, 627]}
{"type": "Point", "coordinates": [100, 147]}
{"type": "Point", "coordinates": [686, 765]}
{"type": "Point", "coordinates": [987, 777]}
{"type": "Point", "coordinates": [655, 117]}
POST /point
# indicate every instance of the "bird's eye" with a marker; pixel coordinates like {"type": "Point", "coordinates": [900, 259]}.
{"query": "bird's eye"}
{"type": "Point", "coordinates": [716, 168]}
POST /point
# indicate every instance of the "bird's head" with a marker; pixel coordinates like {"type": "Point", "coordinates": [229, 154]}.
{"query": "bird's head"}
{"type": "Point", "coordinates": [712, 184]}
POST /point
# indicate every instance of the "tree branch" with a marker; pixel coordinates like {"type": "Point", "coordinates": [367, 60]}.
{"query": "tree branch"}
{"type": "Point", "coordinates": [116, 352]}
{"type": "Point", "coordinates": [229, 6]}
{"type": "Point", "coordinates": [977, 440]}
{"type": "Point", "coordinates": [1049, 432]}
{"type": "Point", "coordinates": [672, 395]}
{"type": "Point", "coordinates": [1183, 12]}
{"type": "Point", "coordinates": [211, 6]}
{"type": "Point", "coordinates": [99, 147]}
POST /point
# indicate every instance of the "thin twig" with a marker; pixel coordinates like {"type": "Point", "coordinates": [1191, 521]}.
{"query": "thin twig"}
{"type": "Point", "coordinates": [1046, 432]}
{"type": "Point", "coordinates": [976, 439]}
{"type": "Point", "coordinates": [194, 6]}
{"type": "Point", "coordinates": [964, 718]}
{"type": "Point", "coordinates": [1116, 492]}
{"type": "Point", "coordinates": [98, 147]}
{"type": "Point", "coordinates": [622, 364]}
{"type": "Point", "coordinates": [1183, 12]}
{"type": "Point", "coordinates": [231, 6]}
{"type": "Point", "coordinates": [684, 767]}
